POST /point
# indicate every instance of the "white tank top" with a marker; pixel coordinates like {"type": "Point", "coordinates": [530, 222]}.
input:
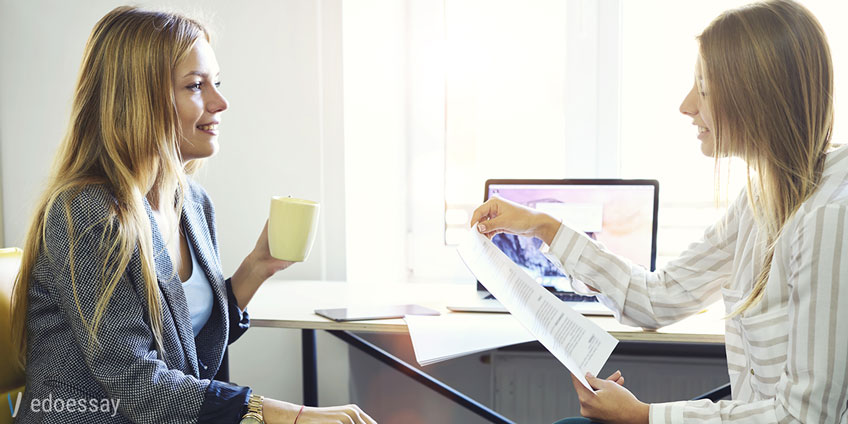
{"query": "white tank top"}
{"type": "Point", "coordinates": [198, 294]}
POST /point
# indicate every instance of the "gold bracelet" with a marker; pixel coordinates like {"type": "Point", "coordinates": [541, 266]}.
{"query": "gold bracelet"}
{"type": "Point", "coordinates": [254, 411]}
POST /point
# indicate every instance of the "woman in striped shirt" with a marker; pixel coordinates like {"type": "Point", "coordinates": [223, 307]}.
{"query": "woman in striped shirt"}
{"type": "Point", "coordinates": [762, 92]}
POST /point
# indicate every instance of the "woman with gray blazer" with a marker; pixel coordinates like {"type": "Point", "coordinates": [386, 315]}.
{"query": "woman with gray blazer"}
{"type": "Point", "coordinates": [121, 310]}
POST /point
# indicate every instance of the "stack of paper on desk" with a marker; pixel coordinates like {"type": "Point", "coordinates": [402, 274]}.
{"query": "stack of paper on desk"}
{"type": "Point", "coordinates": [453, 335]}
{"type": "Point", "coordinates": [574, 340]}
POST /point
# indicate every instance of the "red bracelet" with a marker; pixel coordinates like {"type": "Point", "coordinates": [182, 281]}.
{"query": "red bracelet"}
{"type": "Point", "coordinates": [298, 414]}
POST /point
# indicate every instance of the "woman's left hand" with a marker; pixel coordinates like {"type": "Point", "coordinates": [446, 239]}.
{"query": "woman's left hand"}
{"type": "Point", "coordinates": [257, 267]}
{"type": "Point", "coordinates": [262, 259]}
{"type": "Point", "coordinates": [611, 402]}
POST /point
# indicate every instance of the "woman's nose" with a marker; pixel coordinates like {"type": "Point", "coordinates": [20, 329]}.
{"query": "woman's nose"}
{"type": "Point", "coordinates": [690, 103]}
{"type": "Point", "coordinates": [218, 103]}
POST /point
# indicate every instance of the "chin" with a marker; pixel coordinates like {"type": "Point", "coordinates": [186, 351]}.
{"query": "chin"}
{"type": "Point", "coordinates": [200, 151]}
{"type": "Point", "coordinates": [208, 154]}
{"type": "Point", "coordinates": [213, 148]}
{"type": "Point", "coordinates": [708, 148]}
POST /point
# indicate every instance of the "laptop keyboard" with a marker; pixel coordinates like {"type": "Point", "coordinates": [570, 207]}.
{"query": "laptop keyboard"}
{"type": "Point", "coordinates": [565, 297]}
{"type": "Point", "coordinates": [574, 297]}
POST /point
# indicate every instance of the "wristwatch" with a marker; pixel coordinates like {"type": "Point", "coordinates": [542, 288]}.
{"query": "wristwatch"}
{"type": "Point", "coordinates": [254, 411]}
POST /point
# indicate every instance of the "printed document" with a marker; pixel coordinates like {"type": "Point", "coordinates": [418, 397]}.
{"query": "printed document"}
{"type": "Point", "coordinates": [575, 341]}
{"type": "Point", "coordinates": [453, 335]}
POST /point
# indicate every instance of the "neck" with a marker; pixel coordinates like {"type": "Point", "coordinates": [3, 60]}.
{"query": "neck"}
{"type": "Point", "coordinates": [157, 201]}
{"type": "Point", "coordinates": [162, 195]}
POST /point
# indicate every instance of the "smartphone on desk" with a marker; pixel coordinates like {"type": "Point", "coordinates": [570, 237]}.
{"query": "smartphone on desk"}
{"type": "Point", "coordinates": [362, 313]}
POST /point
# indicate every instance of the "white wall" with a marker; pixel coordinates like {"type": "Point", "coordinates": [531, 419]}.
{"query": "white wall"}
{"type": "Point", "coordinates": [375, 132]}
{"type": "Point", "coordinates": [283, 134]}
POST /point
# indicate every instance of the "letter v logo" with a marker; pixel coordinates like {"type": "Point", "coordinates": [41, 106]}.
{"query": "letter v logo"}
{"type": "Point", "coordinates": [14, 411]}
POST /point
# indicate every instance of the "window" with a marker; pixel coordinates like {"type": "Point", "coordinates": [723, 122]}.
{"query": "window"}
{"type": "Point", "coordinates": [552, 89]}
{"type": "Point", "coordinates": [518, 86]}
{"type": "Point", "coordinates": [505, 98]}
{"type": "Point", "coordinates": [657, 141]}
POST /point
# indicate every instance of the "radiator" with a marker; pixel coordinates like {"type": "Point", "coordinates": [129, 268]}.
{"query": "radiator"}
{"type": "Point", "coordinates": [533, 387]}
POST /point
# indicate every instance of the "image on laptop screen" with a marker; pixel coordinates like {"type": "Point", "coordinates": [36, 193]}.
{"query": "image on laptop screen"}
{"type": "Point", "coordinates": [620, 214]}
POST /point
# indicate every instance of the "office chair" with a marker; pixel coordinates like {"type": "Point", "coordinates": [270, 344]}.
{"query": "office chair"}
{"type": "Point", "coordinates": [12, 378]}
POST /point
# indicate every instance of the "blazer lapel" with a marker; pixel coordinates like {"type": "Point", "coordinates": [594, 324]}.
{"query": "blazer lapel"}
{"type": "Point", "coordinates": [171, 286]}
{"type": "Point", "coordinates": [213, 344]}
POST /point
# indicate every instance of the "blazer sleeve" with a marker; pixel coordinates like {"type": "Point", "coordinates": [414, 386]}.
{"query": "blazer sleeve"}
{"type": "Point", "coordinates": [122, 358]}
{"type": "Point", "coordinates": [239, 319]}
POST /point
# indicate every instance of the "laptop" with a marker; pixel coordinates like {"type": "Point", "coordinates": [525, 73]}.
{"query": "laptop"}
{"type": "Point", "coordinates": [620, 214]}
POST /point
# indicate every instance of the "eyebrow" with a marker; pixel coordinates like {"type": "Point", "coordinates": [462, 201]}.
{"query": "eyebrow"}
{"type": "Point", "coordinates": [200, 74]}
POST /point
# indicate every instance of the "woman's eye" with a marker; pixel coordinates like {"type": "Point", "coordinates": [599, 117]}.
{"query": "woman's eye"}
{"type": "Point", "coordinates": [197, 86]}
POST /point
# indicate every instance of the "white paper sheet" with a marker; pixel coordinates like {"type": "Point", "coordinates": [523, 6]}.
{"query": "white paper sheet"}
{"type": "Point", "coordinates": [453, 335]}
{"type": "Point", "coordinates": [574, 340]}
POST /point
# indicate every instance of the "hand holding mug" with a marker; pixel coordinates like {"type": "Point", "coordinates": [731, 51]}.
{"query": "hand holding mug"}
{"type": "Point", "coordinates": [268, 264]}
{"type": "Point", "coordinates": [287, 238]}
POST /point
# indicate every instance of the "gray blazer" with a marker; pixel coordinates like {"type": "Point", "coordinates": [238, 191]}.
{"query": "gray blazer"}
{"type": "Point", "coordinates": [125, 373]}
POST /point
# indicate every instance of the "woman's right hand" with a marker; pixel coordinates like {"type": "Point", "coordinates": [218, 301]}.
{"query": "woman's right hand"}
{"type": "Point", "coordinates": [346, 414]}
{"type": "Point", "coordinates": [279, 412]}
{"type": "Point", "coordinates": [499, 215]}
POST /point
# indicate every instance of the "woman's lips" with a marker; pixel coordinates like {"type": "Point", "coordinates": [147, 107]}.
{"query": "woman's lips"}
{"type": "Point", "coordinates": [211, 128]}
{"type": "Point", "coordinates": [703, 132]}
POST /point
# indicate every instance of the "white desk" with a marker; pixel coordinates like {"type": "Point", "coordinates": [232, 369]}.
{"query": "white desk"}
{"type": "Point", "coordinates": [291, 304]}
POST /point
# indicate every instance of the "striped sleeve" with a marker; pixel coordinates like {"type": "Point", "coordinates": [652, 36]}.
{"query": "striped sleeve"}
{"type": "Point", "coordinates": [813, 385]}
{"type": "Point", "coordinates": [653, 299]}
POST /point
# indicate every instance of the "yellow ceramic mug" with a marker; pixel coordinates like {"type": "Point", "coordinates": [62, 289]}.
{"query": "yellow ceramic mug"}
{"type": "Point", "coordinates": [291, 228]}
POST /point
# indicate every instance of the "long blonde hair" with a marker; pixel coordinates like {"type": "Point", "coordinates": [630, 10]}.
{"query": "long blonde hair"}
{"type": "Point", "coordinates": [770, 87]}
{"type": "Point", "coordinates": [124, 135]}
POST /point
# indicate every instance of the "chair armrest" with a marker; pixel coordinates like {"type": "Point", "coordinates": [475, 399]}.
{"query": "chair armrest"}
{"type": "Point", "coordinates": [716, 394]}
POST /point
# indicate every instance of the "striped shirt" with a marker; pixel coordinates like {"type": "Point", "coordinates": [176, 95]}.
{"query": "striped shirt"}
{"type": "Point", "coordinates": [787, 356]}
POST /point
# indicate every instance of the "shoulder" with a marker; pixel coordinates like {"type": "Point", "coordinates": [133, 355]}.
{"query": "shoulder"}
{"type": "Point", "coordinates": [77, 220]}
{"type": "Point", "coordinates": [820, 229]}
{"type": "Point", "coordinates": [829, 215]}
{"type": "Point", "coordinates": [832, 189]}
{"type": "Point", "coordinates": [830, 200]}
{"type": "Point", "coordinates": [81, 206]}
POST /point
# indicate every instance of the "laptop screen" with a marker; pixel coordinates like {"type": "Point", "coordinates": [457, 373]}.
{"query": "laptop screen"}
{"type": "Point", "coordinates": [620, 214]}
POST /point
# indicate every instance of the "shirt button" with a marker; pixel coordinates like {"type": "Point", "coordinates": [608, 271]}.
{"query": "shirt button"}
{"type": "Point", "coordinates": [752, 371]}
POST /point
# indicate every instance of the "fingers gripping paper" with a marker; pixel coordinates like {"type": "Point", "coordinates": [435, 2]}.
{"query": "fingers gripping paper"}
{"type": "Point", "coordinates": [574, 340]}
